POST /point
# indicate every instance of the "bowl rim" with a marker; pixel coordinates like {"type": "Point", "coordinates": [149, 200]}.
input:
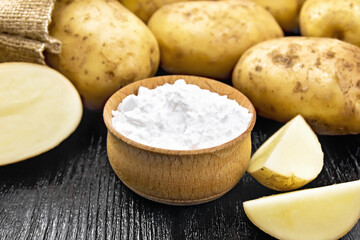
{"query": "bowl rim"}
{"type": "Point", "coordinates": [107, 116]}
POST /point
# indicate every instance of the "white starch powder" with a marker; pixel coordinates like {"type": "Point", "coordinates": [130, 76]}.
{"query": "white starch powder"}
{"type": "Point", "coordinates": [180, 117]}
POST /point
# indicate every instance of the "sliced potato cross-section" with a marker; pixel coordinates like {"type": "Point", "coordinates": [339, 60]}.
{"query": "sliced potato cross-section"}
{"type": "Point", "coordinates": [39, 108]}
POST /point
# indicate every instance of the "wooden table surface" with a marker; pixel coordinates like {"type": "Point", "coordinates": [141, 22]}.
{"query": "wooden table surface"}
{"type": "Point", "coordinates": [71, 192]}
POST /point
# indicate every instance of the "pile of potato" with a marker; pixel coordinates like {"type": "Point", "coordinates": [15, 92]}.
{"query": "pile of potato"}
{"type": "Point", "coordinates": [105, 46]}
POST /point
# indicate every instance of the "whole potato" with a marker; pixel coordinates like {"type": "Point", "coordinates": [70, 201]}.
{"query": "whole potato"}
{"type": "Point", "coordinates": [104, 47]}
{"type": "Point", "coordinates": [318, 78]}
{"type": "Point", "coordinates": [328, 18]}
{"type": "Point", "coordinates": [284, 11]}
{"type": "Point", "coordinates": [207, 38]}
{"type": "Point", "coordinates": [144, 9]}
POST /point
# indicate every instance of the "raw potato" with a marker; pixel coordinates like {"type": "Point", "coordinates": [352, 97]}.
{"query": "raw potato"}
{"type": "Point", "coordinates": [207, 38]}
{"type": "Point", "coordinates": [320, 213]}
{"type": "Point", "coordinates": [104, 47]}
{"type": "Point", "coordinates": [315, 77]}
{"type": "Point", "coordinates": [39, 108]}
{"type": "Point", "coordinates": [289, 159]}
{"type": "Point", "coordinates": [286, 12]}
{"type": "Point", "coordinates": [144, 9]}
{"type": "Point", "coordinates": [328, 18]}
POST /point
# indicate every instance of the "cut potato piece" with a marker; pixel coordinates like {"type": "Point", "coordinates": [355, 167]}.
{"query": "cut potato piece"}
{"type": "Point", "coordinates": [39, 108]}
{"type": "Point", "coordinates": [289, 159]}
{"type": "Point", "coordinates": [319, 213]}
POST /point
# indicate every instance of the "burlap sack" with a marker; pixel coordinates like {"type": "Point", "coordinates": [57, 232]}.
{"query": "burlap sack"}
{"type": "Point", "coordinates": [24, 30]}
{"type": "Point", "coordinates": [18, 49]}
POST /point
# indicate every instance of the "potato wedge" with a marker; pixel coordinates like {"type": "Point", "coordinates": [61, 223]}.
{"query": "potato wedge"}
{"type": "Point", "coordinates": [289, 159]}
{"type": "Point", "coordinates": [320, 213]}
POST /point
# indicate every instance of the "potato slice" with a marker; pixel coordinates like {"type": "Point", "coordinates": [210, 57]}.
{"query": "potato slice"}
{"type": "Point", "coordinates": [289, 159]}
{"type": "Point", "coordinates": [39, 108]}
{"type": "Point", "coordinates": [319, 213]}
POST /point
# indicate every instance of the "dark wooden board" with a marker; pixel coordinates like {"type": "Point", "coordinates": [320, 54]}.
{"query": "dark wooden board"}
{"type": "Point", "coordinates": [71, 192]}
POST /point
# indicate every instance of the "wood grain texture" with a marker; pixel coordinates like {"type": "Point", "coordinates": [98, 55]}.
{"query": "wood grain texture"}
{"type": "Point", "coordinates": [178, 177]}
{"type": "Point", "coordinates": [71, 192]}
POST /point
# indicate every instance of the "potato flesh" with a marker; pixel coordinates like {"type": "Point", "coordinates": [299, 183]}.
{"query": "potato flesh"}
{"type": "Point", "coordinates": [294, 151]}
{"type": "Point", "coordinates": [39, 108]}
{"type": "Point", "coordinates": [319, 213]}
{"type": "Point", "coordinates": [314, 77]}
{"type": "Point", "coordinates": [289, 159]}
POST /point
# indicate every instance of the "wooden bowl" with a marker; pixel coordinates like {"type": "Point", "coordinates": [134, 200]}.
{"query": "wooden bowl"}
{"type": "Point", "coordinates": [178, 177]}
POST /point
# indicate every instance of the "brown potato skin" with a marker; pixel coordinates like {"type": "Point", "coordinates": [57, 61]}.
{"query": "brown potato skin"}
{"type": "Point", "coordinates": [284, 11]}
{"type": "Point", "coordinates": [104, 47]}
{"type": "Point", "coordinates": [207, 38]}
{"type": "Point", "coordinates": [333, 19]}
{"type": "Point", "coordinates": [144, 9]}
{"type": "Point", "coordinates": [318, 78]}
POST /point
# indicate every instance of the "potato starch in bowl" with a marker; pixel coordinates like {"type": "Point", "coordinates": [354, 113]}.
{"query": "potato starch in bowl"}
{"type": "Point", "coordinates": [180, 116]}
